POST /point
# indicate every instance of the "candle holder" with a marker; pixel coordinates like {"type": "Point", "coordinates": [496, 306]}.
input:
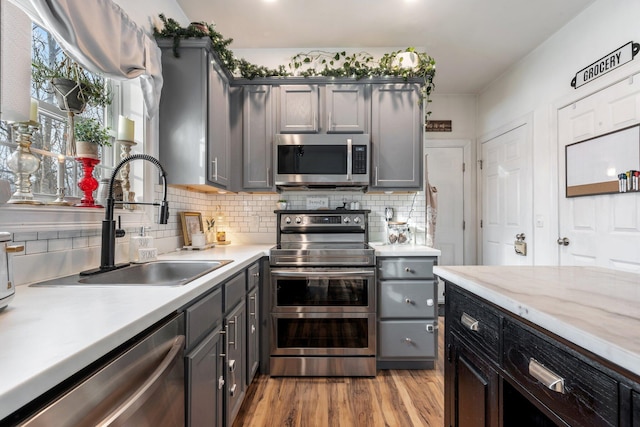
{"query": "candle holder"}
{"type": "Point", "coordinates": [60, 196]}
{"type": "Point", "coordinates": [127, 195]}
{"type": "Point", "coordinates": [88, 184]}
{"type": "Point", "coordinates": [23, 163]}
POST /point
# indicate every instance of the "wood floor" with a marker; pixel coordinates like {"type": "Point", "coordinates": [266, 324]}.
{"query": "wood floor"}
{"type": "Point", "coordinates": [394, 398]}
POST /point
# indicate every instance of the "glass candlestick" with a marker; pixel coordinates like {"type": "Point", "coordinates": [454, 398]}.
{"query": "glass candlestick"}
{"type": "Point", "coordinates": [23, 163]}
{"type": "Point", "coordinates": [60, 200]}
{"type": "Point", "coordinates": [88, 184]}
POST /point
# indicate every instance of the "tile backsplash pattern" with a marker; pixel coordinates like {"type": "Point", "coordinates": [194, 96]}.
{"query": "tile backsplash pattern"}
{"type": "Point", "coordinates": [246, 218]}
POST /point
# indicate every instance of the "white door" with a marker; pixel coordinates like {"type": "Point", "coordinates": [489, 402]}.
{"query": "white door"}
{"type": "Point", "coordinates": [601, 230]}
{"type": "Point", "coordinates": [446, 173]}
{"type": "Point", "coordinates": [507, 197]}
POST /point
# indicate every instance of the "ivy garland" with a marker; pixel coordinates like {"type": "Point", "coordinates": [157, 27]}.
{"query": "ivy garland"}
{"type": "Point", "coordinates": [315, 63]}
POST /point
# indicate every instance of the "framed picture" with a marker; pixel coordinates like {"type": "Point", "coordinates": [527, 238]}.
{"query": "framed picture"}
{"type": "Point", "coordinates": [191, 223]}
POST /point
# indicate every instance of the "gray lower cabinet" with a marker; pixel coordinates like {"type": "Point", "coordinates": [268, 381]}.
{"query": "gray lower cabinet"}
{"type": "Point", "coordinates": [193, 120]}
{"type": "Point", "coordinates": [397, 123]}
{"type": "Point", "coordinates": [222, 349]}
{"type": "Point", "coordinates": [407, 313]}
{"type": "Point", "coordinates": [253, 321]}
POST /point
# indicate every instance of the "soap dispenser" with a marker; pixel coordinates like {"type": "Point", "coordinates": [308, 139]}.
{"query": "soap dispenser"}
{"type": "Point", "coordinates": [141, 247]}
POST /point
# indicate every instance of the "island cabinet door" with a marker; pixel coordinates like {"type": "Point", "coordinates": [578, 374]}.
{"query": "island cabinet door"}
{"type": "Point", "coordinates": [471, 388]}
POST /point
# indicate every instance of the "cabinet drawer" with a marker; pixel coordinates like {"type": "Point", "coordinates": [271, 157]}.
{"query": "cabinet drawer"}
{"type": "Point", "coordinates": [583, 395]}
{"type": "Point", "coordinates": [408, 339]}
{"type": "Point", "coordinates": [234, 290]}
{"type": "Point", "coordinates": [405, 268]}
{"type": "Point", "coordinates": [407, 299]}
{"type": "Point", "coordinates": [203, 316]}
{"type": "Point", "coordinates": [474, 321]}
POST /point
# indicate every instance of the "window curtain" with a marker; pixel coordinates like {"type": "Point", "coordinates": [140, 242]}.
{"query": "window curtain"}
{"type": "Point", "coordinates": [99, 35]}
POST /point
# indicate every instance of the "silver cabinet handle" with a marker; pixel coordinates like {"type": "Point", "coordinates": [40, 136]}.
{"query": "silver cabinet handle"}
{"type": "Point", "coordinates": [548, 378]}
{"type": "Point", "coordinates": [220, 382]}
{"type": "Point", "coordinates": [329, 124]}
{"type": "Point", "coordinates": [408, 301]}
{"type": "Point", "coordinates": [215, 168]}
{"type": "Point", "coordinates": [470, 322]}
{"type": "Point", "coordinates": [252, 298]}
{"type": "Point", "coordinates": [268, 177]}
{"type": "Point", "coordinates": [376, 173]}
{"type": "Point", "coordinates": [430, 302]}
{"type": "Point", "coordinates": [253, 329]}
{"type": "Point", "coordinates": [407, 270]}
{"type": "Point", "coordinates": [408, 341]}
{"type": "Point", "coordinates": [133, 402]}
{"type": "Point", "coordinates": [234, 322]}
{"type": "Point", "coordinates": [232, 365]}
{"type": "Point", "coordinates": [349, 158]}
{"type": "Point", "coordinates": [232, 390]}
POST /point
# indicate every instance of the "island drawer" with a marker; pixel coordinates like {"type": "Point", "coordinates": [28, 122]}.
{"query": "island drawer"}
{"type": "Point", "coordinates": [405, 268]}
{"type": "Point", "coordinates": [559, 378]}
{"type": "Point", "coordinates": [475, 322]}
{"type": "Point", "coordinates": [407, 299]}
{"type": "Point", "coordinates": [234, 290]}
{"type": "Point", "coordinates": [202, 316]}
{"type": "Point", "coordinates": [407, 339]}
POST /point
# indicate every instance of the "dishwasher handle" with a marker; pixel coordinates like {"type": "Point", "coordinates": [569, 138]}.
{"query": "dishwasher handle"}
{"type": "Point", "coordinates": [137, 398]}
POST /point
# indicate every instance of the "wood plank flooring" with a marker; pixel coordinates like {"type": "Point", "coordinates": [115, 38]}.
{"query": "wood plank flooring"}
{"type": "Point", "coordinates": [394, 398]}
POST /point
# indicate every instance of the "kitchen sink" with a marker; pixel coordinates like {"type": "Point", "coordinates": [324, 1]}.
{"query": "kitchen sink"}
{"type": "Point", "coordinates": [157, 273]}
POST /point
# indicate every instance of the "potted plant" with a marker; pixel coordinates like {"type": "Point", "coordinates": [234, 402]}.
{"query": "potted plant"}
{"type": "Point", "coordinates": [71, 84]}
{"type": "Point", "coordinates": [282, 204]}
{"type": "Point", "coordinates": [90, 135]}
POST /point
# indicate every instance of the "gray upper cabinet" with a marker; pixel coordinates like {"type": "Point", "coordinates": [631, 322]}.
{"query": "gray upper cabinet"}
{"type": "Point", "coordinates": [396, 137]}
{"type": "Point", "coordinates": [347, 108]}
{"type": "Point", "coordinates": [194, 116]}
{"type": "Point", "coordinates": [299, 108]}
{"type": "Point", "coordinates": [257, 137]}
{"type": "Point", "coordinates": [320, 108]}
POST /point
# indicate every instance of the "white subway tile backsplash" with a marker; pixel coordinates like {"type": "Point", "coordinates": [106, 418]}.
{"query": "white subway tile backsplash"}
{"type": "Point", "coordinates": [24, 236]}
{"type": "Point", "coordinates": [60, 245]}
{"type": "Point", "coordinates": [35, 247]}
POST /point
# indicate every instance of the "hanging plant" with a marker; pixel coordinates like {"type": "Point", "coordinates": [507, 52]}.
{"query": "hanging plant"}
{"type": "Point", "coordinates": [315, 63]}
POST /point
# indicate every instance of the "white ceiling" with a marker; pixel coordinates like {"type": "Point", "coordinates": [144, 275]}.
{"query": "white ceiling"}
{"type": "Point", "coordinates": [472, 41]}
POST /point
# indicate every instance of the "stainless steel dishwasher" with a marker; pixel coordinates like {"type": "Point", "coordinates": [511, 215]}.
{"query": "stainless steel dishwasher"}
{"type": "Point", "coordinates": [144, 386]}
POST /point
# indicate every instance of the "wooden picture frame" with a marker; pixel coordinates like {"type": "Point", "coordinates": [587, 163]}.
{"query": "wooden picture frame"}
{"type": "Point", "coordinates": [191, 223]}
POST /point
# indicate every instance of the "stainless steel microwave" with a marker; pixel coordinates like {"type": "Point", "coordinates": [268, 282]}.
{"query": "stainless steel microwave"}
{"type": "Point", "coordinates": [322, 160]}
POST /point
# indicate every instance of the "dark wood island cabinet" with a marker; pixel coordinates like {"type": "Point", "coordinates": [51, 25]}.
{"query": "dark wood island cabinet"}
{"type": "Point", "coordinates": [524, 349]}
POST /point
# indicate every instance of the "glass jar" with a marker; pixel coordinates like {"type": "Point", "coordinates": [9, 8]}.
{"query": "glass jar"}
{"type": "Point", "coordinates": [398, 233]}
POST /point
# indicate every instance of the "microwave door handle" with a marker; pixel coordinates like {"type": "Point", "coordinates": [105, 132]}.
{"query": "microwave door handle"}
{"type": "Point", "coordinates": [349, 159]}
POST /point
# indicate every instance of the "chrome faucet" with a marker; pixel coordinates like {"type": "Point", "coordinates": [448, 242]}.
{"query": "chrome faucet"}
{"type": "Point", "coordinates": [109, 231]}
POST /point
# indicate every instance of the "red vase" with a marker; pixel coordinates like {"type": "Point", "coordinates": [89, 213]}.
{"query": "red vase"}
{"type": "Point", "coordinates": [88, 184]}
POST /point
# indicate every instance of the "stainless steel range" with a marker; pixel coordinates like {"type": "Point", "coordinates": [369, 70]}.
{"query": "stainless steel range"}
{"type": "Point", "coordinates": [323, 297]}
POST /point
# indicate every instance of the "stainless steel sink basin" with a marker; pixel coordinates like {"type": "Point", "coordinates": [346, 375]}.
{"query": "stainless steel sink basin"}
{"type": "Point", "coordinates": [157, 273]}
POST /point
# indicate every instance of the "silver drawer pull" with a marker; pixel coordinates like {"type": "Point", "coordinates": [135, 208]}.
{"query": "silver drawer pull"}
{"type": "Point", "coordinates": [408, 301]}
{"type": "Point", "coordinates": [470, 322]}
{"type": "Point", "coordinates": [408, 341]}
{"type": "Point", "coordinates": [550, 379]}
{"type": "Point", "coordinates": [407, 269]}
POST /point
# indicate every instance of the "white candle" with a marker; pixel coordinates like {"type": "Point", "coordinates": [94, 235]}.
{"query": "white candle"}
{"type": "Point", "coordinates": [60, 171]}
{"type": "Point", "coordinates": [125, 129]}
{"type": "Point", "coordinates": [33, 113]}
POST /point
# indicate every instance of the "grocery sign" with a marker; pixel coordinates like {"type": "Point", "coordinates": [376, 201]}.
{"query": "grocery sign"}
{"type": "Point", "coordinates": [605, 64]}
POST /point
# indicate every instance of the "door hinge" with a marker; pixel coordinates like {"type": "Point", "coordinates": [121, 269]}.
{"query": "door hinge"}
{"type": "Point", "coordinates": [464, 225]}
{"type": "Point", "coordinates": [480, 223]}
{"type": "Point", "coordinates": [464, 167]}
{"type": "Point", "coordinates": [480, 163]}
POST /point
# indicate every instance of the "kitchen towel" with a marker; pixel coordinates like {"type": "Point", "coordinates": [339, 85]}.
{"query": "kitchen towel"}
{"type": "Point", "coordinates": [431, 198]}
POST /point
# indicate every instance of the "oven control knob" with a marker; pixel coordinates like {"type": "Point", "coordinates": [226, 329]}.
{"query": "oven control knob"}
{"type": "Point", "coordinates": [346, 220]}
{"type": "Point", "coordinates": [287, 220]}
{"type": "Point", "coordinates": [357, 220]}
{"type": "Point", "coordinates": [298, 220]}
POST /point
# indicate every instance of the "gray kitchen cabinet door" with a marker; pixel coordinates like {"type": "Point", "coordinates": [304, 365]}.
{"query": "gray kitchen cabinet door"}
{"type": "Point", "coordinates": [205, 382]}
{"type": "Point", "coordinates": [219, 127]}
{"type": "Point", "coordinates": [257, 137]}
{"type": "Point", "coordinates": [236, 360]}
{"type": "Point", "coordinates": [194, 116]}
{"type": "Point", "coordinates": [253, 335]}
{"type": "Point", "coordinates": [299, 108]}
{"type": "Point", "coordinates": [396, 137]}
{"type": "Point", "coordinates": [347, 108]}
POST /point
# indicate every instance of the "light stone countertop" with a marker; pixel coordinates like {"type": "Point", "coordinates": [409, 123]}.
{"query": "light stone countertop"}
{"type": "Point", "coordinates": [49, 334]}
{"type": "Point", "coordinates": [403, 250]}
{"type": "Point", "coordinates": [597, 309]}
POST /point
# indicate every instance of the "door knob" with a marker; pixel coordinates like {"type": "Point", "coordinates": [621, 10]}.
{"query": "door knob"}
{"type": "Point", "coordinates": [520, 237]}
{"type": "Point", "coordinates": [563, 241]}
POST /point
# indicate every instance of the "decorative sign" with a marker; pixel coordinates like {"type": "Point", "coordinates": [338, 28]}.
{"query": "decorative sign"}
{"type": "Point", "coordinates": [438, 126]}
{"type": "Point", "coordinates": [605, 64]}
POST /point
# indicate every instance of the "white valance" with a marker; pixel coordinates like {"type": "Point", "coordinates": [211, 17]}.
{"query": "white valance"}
{"type": "Point", "coordinates": [99, 35]}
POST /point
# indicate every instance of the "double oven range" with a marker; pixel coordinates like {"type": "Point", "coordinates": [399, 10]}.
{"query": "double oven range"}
{"type": "Point", "coordinates": [323, 295]}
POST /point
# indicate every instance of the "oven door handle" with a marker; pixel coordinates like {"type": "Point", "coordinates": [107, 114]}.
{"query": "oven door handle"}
{"type": "Point", "coordinates": [349, 159]}
{"type": "Point", "coordinates": [309, 273]}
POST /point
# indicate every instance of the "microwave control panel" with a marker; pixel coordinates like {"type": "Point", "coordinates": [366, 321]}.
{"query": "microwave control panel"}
{"type": "Point", "coordinates": [359, 159]}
